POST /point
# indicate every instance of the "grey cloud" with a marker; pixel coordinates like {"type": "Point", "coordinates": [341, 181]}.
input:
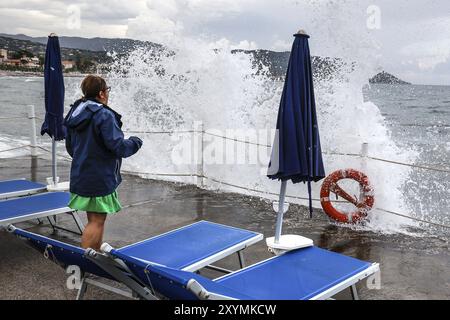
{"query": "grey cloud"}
{"type": "Point", "coordinates": [334, 29]}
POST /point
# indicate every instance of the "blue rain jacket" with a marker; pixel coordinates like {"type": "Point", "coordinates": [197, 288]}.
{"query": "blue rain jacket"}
{"type": "Point", "coordinates": [96, 144]}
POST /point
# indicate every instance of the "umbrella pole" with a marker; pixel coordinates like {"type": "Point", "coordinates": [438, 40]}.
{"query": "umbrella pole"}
{"type": "Point", "coordinates": [54, 160]}
{"type": "Point", "coordinates": [280, 211]}
{"type": "Point", "coordinates": [310, 199]}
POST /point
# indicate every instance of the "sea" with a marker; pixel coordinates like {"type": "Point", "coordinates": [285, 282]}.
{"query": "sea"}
{"type": "Point", "coordinates": [407, 128]}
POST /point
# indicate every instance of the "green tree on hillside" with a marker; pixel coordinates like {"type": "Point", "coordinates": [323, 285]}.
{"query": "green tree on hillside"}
{"type": "Point", "coordinates": [22, 53]}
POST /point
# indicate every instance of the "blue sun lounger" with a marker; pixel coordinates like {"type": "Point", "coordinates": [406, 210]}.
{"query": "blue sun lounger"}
{"type": "Point", "coordinates": [37, 206]}
{"type": "Point", "coordinates": [305, 274]}
{"type": "Point", "coordinates": [19, 187]}
{"type": "Point", "coordinates": [190, 248]}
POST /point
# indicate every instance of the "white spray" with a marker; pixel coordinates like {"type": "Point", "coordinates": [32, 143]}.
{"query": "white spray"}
{"type": "Point", "coordinates": [200, 80]}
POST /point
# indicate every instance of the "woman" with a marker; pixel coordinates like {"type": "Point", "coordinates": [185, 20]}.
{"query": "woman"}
{"type": "Point", "coordinates": [96, 144]}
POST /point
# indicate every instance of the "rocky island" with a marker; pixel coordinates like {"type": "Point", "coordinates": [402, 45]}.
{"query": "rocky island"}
{"type": "Point", "coordinates": [387, 78]}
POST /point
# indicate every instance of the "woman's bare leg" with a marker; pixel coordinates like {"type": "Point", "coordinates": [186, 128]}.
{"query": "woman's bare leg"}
{"type": "Point", "coordinates": [93, 232]}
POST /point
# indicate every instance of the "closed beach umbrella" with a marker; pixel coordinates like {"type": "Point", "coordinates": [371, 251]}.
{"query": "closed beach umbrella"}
{"type": "Point", "coordinates": [54, 96]}
{"type": "Point", "coordinates": [296, 153]}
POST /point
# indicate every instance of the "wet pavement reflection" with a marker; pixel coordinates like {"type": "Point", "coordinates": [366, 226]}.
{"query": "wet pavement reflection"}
{"type": "Point", "coordinates": [412, 267]}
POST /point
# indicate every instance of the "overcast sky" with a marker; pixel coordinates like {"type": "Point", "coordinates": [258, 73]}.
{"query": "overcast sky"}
{"type": "Point", "coordinates": [409, 38]}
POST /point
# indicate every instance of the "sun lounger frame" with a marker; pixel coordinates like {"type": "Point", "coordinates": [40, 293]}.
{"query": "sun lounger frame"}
{"type": "Point", "coordinates": [198, 290]}
{"type": "Point", "coordinates": [49, 214]}
{"type": "Point", "coordinates": [23, 192]}
{"type": "Point", "coordinates": [121, 273]}
{"type": "Point", "coordinates": [203, 294]}
{"type": "Point", "coordinates": [206, 263]}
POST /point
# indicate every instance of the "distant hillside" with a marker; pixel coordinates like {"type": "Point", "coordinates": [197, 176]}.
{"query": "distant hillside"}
{"type": "Point", "coordinates": [91, 44]}
{"type": "Point", "coordinates": [387, 78]}
{"type": "Point", "coordinates": [38, 49]}
{"type": "Point", "coordinates": [94, 49]}
{"type": "Point", "coordinates": [277, 63]}
{"type": "Point", "coordinates": [83, 60]}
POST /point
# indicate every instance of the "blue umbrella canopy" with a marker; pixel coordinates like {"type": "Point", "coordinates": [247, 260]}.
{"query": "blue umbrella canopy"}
{"type": "Point", "coordinates": [296, 153]}
{"type": "Point", "coordinates": [54, 91]}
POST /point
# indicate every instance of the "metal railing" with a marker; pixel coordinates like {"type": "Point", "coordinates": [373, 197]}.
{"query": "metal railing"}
{"type": "Point", "coordinates": [201, 177]}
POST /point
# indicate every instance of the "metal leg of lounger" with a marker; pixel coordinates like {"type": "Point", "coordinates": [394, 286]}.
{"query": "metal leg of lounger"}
{"type": "Point", "coordinates": [109, 288]}
{"type": "Point", "coordinates": [77, 220]}
{"type": "Point", "coordinates": [82, 289]}
{"type": "Point", "coordinates": [111, 267]}
{"type": "Point", "coordinates": [52, 224]}
{"type": "Point", "coordinates": [241, 259]}
{"type": "Point", "coordinates": [241, 263]}
{"type": "Point", "coordinates": [216, 268]}
{"type": "Point", "coordinates": [85, 281]}
{"type": "Point", "coordinates": [354, 292]}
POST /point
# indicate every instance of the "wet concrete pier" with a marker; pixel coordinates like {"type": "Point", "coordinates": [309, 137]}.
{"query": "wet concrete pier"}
{"type": "Point", "coordinates": [411, 267]}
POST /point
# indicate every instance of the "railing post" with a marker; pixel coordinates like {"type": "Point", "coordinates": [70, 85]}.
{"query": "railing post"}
{"type": "Point", "coordinates": [198, 134]}
{"type": "Point", "coordinates": [364, 154]}
{"type": "Point", "coordinates": [33, 140]}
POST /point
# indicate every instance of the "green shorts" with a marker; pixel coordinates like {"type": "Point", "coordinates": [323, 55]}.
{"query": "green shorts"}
{"type": "Point", "coordinates": [105, 204]}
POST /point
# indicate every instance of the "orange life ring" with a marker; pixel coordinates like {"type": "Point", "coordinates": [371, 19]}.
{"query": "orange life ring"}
{"type": "Point", "coordinates": [363, 204]}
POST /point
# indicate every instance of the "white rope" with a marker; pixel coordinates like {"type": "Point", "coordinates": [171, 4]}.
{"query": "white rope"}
{"type": "Point", "coordinates": [20, 117]}
{"type": "Point", "coordinates": [237, 140]}
{"type": "Point", "coordinates": [11, 118]}
{"type": "Point", "coordinates": [160, 132]}
{"type": "Point", "coordinates": [413, 165]}
{"type": "Point", "coordinates": [342, 154]}
{"type": "Point", "coordinates": [276, 194]}
{"type": "Point", "coordinates": [137, 204]}
{"type": "Point", "coordinates": [418, 166]}
{"type": "Point", "coordinates": [259, 191]}
{"type": "Point", "coordinates": [148, 278]}
{"type": "Point", "coordinates": [58, 154]}
{"type": "Point", "coordinates": [16, 148]}
{"type": "Point", "coordinates": [162, 174]}
{"type": "Point", "coordinates": [412, 218]}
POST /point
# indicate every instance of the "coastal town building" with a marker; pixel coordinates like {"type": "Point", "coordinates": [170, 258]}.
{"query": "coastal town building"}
{"type": "Point", "coordinates": [29, 62]}
{"type": "Point", "coordinates": [32, 62]}
{"type": "Point", "coordinates": [3, 54]}
{"type": "Point", "coordinates": [12, 62]}
{"type": "Point", "coordinates": [24, 61]}
{"type": "Point", "coordinates": [68, 64]}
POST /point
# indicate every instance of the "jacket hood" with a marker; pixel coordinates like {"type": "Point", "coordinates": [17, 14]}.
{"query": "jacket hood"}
{"type": "Point", "coordinates": [81, 113]}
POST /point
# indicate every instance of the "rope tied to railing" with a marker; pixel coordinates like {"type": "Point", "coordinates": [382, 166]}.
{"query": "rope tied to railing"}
{"type": "Point", "coordinates": [16, 148]}
{"type": "Point", "coordinates": [12, 118]}
{"type": "Point", "coordinates": [276, 194]}
{"type": "Point", "coordinates": [418, 166]}
{"type": "Point", "coordinates": [414, 218]}
{"type": "Point", "coordinates": [20, 117]}
{"type": "Point", "coordinates": [247, 189]}
{"type": "Point", "coordinates": [58, 154]}
{"type": "Point", "coordinates": [160, 132]}
{"type": "Point", "coordinates": [332, 153]}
